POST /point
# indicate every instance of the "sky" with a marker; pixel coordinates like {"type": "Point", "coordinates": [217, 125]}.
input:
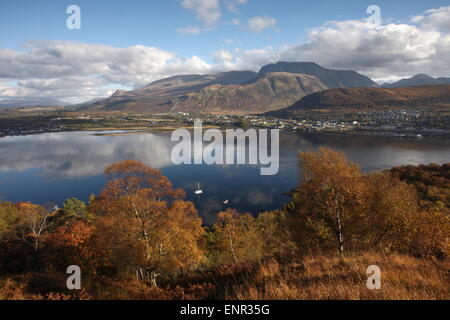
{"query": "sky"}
{"type": "Point", "coordinates": [129, 44]}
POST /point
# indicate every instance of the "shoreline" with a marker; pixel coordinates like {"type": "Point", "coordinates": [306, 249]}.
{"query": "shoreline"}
{"type": "Point", "coordinates": [121, 131]}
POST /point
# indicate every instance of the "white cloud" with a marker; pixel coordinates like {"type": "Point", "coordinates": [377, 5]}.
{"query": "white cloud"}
{"type": "Point", "coordinates": [222, 55]}
{"type": "Point", "coordinates": [392, 51]}
{"type": "Point", "coordinates": [208, 11]}
{"type": "Point", "coordinates": [236, 22]}
{"type": "Point", "coordinates": [259, 24]}
{"type": "Point", "coordinates": [232, 4]}
{"type": "Point", "coordinates": [70, 70]}
{"type": "Point", "coordinates": [435, 18]}
{"type": "Point", "coordinates": [74, 71]}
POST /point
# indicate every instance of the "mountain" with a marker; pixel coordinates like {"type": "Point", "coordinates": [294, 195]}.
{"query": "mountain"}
{"type": "Point", "coordinates": [268, 92]}
{"type": "Point", "coordinates": [159, 95]}
{"type": "Point", "coordinates": [331, 78]}
{"type": "Point", "coordinates": [417, 80]}
{"type": "Point", "coordinates": [275, 86]}
{"type": "Point", "coordinates": [29, 102]}
{"type": "Point", "coordinates": [272, 91]}
{"type": "Point", "coordinates": [350, 99]}
{"type": "Point", "coordinates": [188, 83]}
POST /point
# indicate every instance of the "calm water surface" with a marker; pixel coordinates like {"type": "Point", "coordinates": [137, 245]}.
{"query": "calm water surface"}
{"type": "Point", "coordinates": [55, 166]}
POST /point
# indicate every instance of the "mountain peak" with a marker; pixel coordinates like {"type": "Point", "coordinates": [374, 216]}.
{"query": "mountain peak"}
{"type": "Point", "coordinates": [417, 80]}
{"type": "Point", "coordinates": [118, 93]}
{"type": "Point", "coordinates": [275, 86]}
{"type": "Point", "coordinates": [422, 76]}
{"type": "Point", "coordinates": [331, 78]}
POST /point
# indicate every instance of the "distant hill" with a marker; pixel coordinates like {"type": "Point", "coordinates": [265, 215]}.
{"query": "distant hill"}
{"type": "Point", "coordinates": [331, 78]}
{"type": "Point", "coordinates": [370, 98]}
{"type": "Point", "coordinates": [417, 80]}
{"type": "Point", "coordinates": [159, 96]}
{"type": "Point", "coordinates": [276, 86]}
{"type": "Point", "coordinates": [6, 102]}
{"type": "Point", "coordinates": [268, 92]}
{"type": "Point", "coordinates": [187, 83]}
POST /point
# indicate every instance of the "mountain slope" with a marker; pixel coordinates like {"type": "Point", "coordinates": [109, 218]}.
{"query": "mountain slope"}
{"type": "Point", "coordinates": [268, 92]}
{"type": "Point", "coordinates": [255, 92]}
{"type": "Point", "coordinates": [370, 98]}
{"type": "Point", "coordinates": [158, 95]}
{"type": "Point", "coordinates": [417, 80]}
{"type": "Point", "coordinates": [187, 83]}
{"type": "Point", "coordinates": [331, 78]}
{"type": "Point", "coordinates": [7, 102]}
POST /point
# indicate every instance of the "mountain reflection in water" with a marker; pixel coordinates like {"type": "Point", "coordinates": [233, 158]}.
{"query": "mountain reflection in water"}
{"type": "Point", "coordinates": [55, 166]}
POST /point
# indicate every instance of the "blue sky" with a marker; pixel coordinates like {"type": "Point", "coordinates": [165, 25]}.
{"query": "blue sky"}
{"type": "Point", "coordinates": [224, 34]}
{"type": "Point", "coordinates": [155, 22]}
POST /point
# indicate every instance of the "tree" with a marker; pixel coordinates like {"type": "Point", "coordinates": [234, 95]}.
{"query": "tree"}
{"type": "Point", "coordinates": [274, 231]}
{"type": "Point", "coordinates": [35, 221]}
{"type": "Point", "coordinates": [236, 237]}
{"type": "Point", "coordinates": [9, 220]}
{"type": "Point", "coordinates": [68, 245]}
{"type": "Point", "coordinates": [390, 211]}
{"type": "Point", "coordinates": [338, 207]}
{"type": "Point", "coordinates": [74, 209]}
{"type": "Point", "coordinates": [144, 224]}
{"type": "Point", "coordinates": [328, 202]}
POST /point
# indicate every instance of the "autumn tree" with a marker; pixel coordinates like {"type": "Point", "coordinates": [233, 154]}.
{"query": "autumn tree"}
{"type": "Point", "coordinates": [35, 221]}
{"type": "Point", "coordinates": [236, 238]}
{"type": "Point", "coordinates": [143, 223]}
{"type": "Point", "coordinates": [68, 245]}
{"type": "Point", "coordinates": [275, 233]}
{"type": "Point", "coordinates": [9, 220]}
{"type": "Point", "coordinates": [329, 201]}
{"type": "Point", "coordinates": [337, 206]}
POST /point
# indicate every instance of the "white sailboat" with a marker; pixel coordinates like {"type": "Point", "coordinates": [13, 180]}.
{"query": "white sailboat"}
{"type": "Point", "coordinates": [199, 189]}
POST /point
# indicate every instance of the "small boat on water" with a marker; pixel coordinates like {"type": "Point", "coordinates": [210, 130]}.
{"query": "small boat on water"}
{"type": "Point", "coordinates": [199, 189]}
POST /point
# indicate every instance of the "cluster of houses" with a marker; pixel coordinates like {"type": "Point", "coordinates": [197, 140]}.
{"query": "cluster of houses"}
{"type": "Point", "coordinates": [374, 121]}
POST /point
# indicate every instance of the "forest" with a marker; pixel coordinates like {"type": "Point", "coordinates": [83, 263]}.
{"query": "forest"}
{"type": "Point", "coordinates": [139, 239]}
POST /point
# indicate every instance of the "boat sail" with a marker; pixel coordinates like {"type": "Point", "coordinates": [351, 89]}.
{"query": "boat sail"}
{"type": "Point", "coordinates": [199, 189]}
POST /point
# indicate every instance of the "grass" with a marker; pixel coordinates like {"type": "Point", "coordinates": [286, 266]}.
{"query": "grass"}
{"type": "Point", "coordinates": [321, 277]}
{"type": "Point", "coordinates": [330, 277]}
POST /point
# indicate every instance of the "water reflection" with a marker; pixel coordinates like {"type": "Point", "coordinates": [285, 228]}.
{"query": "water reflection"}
{"type": "Point", "coordinates": [80, 154]}
{"type": "Point", "coordinates": [56, 166]}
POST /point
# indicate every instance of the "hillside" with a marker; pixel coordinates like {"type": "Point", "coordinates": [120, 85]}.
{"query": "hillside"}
{"type": "Point", "coordinates": [7, 102]}
{"type": "Point", "coordinates": [331, 78]}
{"type": "Point", "coordinates": [188, 83]}
{"type": "Point", "coordinates": [417, 80]}
{"type": "Point", "coordinates": [268, 92]}
{"type": "Point", "coordinates": [234, 91]}
{"type": "Point", "coordinates": [370, 98]}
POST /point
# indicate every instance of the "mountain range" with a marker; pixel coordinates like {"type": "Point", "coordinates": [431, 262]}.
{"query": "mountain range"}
{"type": "Point", "coordinates": [285, 86]}
{"type": "Point", "coordinates": [6, 102]}
{"type": "Point", "coordinates": [364, 98]}
{"type": "Point", "coordinates": [417, 80]}
{"type": "Point", "coordinates": [331, 78]}
{"type": "Point", "coordinates": [275, 86]}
